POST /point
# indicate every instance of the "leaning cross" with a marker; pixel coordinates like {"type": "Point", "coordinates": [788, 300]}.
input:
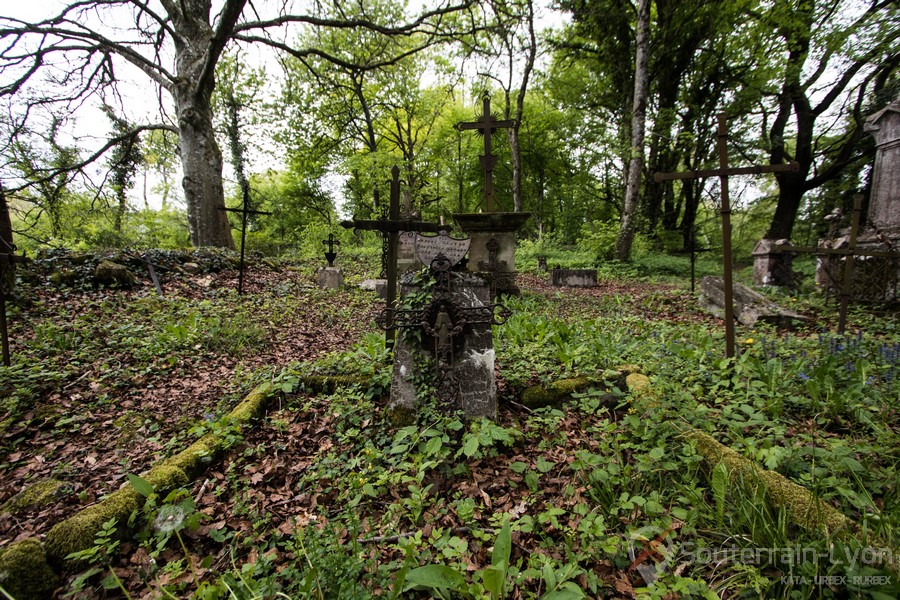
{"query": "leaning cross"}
{"type": "Point", "coordinates": [486, 125]}
{"type": "Point", "coordinates": [390, 228]}
{"type": "Point", "coordinates": [723, 172]}
{"type": "Point", "coordinates": [245, 210]}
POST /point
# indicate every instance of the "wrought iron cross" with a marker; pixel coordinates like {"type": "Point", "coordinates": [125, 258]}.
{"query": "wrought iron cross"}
{"type": "Point", "coordinates": [486, 126]}
{"type": "Point", "coordinates": [723, 173]}
{"type": "Point", "coordinates": [245, 210]}
{"type": "Point", "coordinates": [390, 228]}
{"type": "Point", "coordinates": [330, 255]}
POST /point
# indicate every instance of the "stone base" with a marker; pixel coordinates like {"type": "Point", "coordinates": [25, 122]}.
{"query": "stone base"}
{"type": "Point", "coordinates": [573, 277]}
{"type": "Point", "coordinates": [470, 375]}
{"type": "Point", "coordinates": [330, 278]}
{"type": "Point", "coordinates": [497, 231]}
{"type": "Point", "coordinates": [772, 267]}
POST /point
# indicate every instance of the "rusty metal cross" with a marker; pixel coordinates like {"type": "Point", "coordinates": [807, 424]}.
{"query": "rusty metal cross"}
{"type": "Point", "coordinates": [486, 126]}
{"type": "Point", "coordinates": [390, 228]}
{"type": "Point", "coordinates": [330, 255]}
{"type": "Point", "coordinates": [723, 173]}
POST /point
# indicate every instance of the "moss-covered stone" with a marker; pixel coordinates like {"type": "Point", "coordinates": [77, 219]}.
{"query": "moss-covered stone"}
{"type": "Point", "coordinates": [637, 384]}
{"type": "Point", "coordinates": [327, 384]}
{"type": "Point", "coordinates": [253, 404]}
{"type": "Point", "coordinates": [40, 493]}
{"type": "Point", "coordinates": [555, 393]}
{"type": "Point", "coordinates": [194, 459]}
{"type": "Point", "coordinates": [24, 572]}
{"type": "Point", "coordinates": [110, 273]}
{"type": "Point", "coordinates": [799, 504]}
{"type": "Point", "coordinates": [78, 531]}
{"type": "Point", "coordinates": [63, 277]}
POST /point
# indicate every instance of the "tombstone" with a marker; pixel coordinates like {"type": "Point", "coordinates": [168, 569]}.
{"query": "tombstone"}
{"type": "Point", "coordinates": [330, 277]}
{"type": "Point", "coordinates": [446, 342]}
{"type": "Point", "coordinates": [876, 270]}
{"type": "Point", "coordinates": [406, 253]}
{"type": "Point", "coordinates": [772, 266]}
{"type": "Point", "coordinates": [573, 277]}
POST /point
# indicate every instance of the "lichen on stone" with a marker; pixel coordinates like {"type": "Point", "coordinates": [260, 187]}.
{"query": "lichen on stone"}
{"type": "Point", "coordinates": [24, 572]}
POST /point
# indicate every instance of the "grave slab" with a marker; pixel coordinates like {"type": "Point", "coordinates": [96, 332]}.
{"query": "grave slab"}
{"type": "Point", "coordinates": [573, 278]}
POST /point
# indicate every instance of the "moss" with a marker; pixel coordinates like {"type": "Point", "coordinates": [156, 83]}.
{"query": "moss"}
{"type": "Point", "coordinates": [78, 531]}
{"type": "Point", "coordinates": [637, 384]}
{"type": "Point", "coordinates": [24, 572]}
{"type": "Point", "coordinates": [196, 457]}
{"type": "Point", "coordinates": [327, 384]}
{"type": "Point", "coordinates": [63, 277]}
{"type": "Point", "coordinates": [38, 494]}
{"type": "Point", "coordinates": [401, 416]}
{"type": "Point", "coordinates": [165, 478]}
{"type": "Point", "coordinates": [801, 506]}
{"type": "Point", "coordinates": [253, 405]}
{"type": "Point", "coordinates": [554, 394]}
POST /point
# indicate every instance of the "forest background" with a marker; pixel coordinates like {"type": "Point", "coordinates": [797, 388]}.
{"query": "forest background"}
{"type": "Point", "coordinates": [312, 105]}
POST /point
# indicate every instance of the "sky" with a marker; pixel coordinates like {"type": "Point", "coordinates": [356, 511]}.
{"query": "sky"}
{"type": "Point", "coordinates": [142, 105]}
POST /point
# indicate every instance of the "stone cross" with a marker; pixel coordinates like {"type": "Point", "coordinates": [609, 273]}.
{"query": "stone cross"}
{"type": "Point", "coordinates": [245, 211]}
{"type": "Point", "coordinates": [723, 173]}
{"type": "Point", "coordinates": [330, 255]}
{"type": "Point", "coordinates": [486, 126]}
{"type": "Point", "coordinates": [390, 228]}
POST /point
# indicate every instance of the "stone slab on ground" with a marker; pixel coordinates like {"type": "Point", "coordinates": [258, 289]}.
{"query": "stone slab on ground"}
{"type": "Point", "coordinates": [749, 305]}
{"type": "Point", "coordinates": [573, 277]}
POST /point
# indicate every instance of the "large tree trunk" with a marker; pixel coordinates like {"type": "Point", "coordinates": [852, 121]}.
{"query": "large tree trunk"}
{"type": "Point", "coordinates": [201, 161]}
{"type": "Point", "coordinates": [633, 185]}
{"type": "Point", "coordinates": [201, 158]}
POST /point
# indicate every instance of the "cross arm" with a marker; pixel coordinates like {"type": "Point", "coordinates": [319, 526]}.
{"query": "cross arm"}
{"type": "Point", "coordinates": [504, 124]}
{"type": "Point", "coordinates": [791, 167]}
{"type": "Point", "coordinates": [392, 226]}
{"type": "Point", "coordinates": [241, 210]}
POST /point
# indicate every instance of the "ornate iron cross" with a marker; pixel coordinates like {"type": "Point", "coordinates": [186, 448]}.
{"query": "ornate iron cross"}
{"type": "Point", "coordinates": [330, 255]}
{"type": "Point", "coordinates": [486, 126]}
{"type": "Point", "coordinates": [443, 321]}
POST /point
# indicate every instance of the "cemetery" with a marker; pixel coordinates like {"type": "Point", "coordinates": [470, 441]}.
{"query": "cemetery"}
{"type": "Point", "coordinates": [456, 340]}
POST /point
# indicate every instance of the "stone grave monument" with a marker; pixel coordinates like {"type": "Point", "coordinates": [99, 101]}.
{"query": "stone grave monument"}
{"type": "Point", "coordinates": [445, 342]}
{"type": "Point", "coordinates": [876, 270]}
{"type": "Point", "coordinates": [493, 234]}
{"type": "Point", "coordinates": [331, 277]}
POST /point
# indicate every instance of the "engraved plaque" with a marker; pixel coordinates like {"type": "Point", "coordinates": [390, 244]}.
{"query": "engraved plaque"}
{"type": "Point", "coordinates": [428, 247]}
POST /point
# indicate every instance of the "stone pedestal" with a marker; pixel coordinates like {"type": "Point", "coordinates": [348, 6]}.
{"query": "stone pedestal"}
{"type": "Point", "coordinates": [469, 376]}
{"type": "Point", "coordinates": [330, 278]}
{"type": "Point", "coordinates": [771, 267]}
{"type": "Point", "coordinates": [875, 278]}
{"type": "Point", "coordinates": [406, 253]}
{"type": "Point", "coordinates": [492, 253]}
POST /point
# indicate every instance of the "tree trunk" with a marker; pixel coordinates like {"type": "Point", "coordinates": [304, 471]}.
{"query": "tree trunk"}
{"type": "Point", "coordinates": [201, 158]}
{"type": "Point", "coordinates": [633, 184]}
{"type": "Point", "coordinates": [201, 161]}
